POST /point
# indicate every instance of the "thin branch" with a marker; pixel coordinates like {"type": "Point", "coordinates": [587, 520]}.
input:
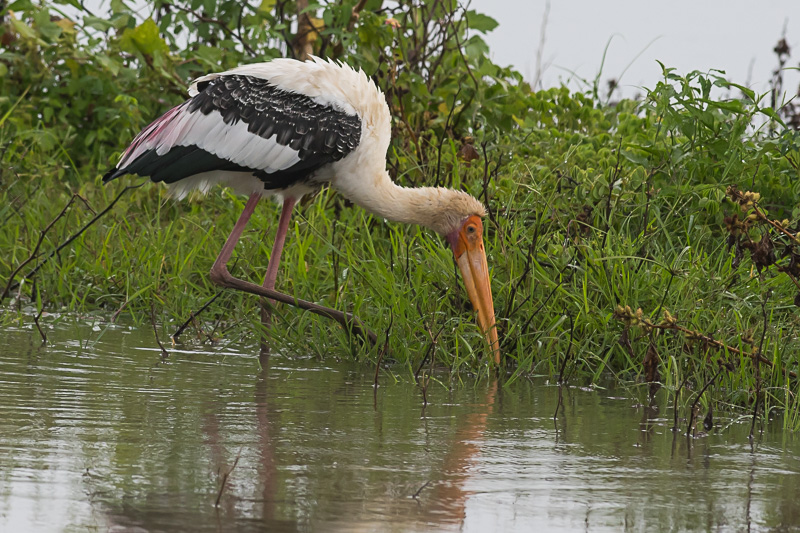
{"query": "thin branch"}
{"type": "Point", "coordinates": [384, 350]}
{"type": "Point", "coordinates": [690, 428]}
{"type": "Point", "coordinates": [434, 339]}
{"type": "Point", "coordinates": [461, 53]}
{"type": "Point", "coordinates": [164, 352]}
{"type": "Point", "coordinates": [419, 490]}
{"type": "Point", "coordinates": [195, 314]}
{"type": "Point", "coordinates": [758, 367]}
{"type": "Point", "coordinates": [444, 135]}
{"type": "Point", "coordinates": [541, 305]}
{"type": "Point", "coordinates": [224, 27]}
{"type": "Point", "coordinates": [35, 251]}
{"type": "Point", "coordinates": [225, 477]}
{"type": "Point", "coordinates": [626, 315]}
{"type": "Point", "coordinates": [65, 243]}
{"type": "Point", "coordinates": [39, 315]}
{"type": "Point", "coordinates": [567, 355]}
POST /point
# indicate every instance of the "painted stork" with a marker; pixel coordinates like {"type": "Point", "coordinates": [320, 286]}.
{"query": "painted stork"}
{"type": "Point", "coordinates": [284, 128]}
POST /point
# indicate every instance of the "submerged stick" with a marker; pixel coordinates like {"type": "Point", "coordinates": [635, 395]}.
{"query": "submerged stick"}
{"type": "Point", "coordinates": [419, 490]}
{"type": "Point", "coordinates": [194, 315]}
{"type": "Point", "coordinates": [431, 346]}
{"type": "Point", "coordinates": [758, 367]}
{"type": "Point", "coordinates": [561, 379]}
{"type": "Point", "coordinates": [164, 352]}
{"type": "Point", "coordinates": [693, 410]}
{"type": "Point", "coordinates": [38, 315]}
{"type": "Point", "coordinates": [384, 350]}
{"type": "Point", "coordinates": [225, 477]}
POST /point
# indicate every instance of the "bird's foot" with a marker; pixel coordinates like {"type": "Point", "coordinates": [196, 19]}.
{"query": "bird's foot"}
{"type": "Point", "coordinates": [221, 276]}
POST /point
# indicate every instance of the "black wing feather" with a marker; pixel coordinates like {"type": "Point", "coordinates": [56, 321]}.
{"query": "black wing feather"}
{"type": "Point", "coordinates": [268, 110]}
{"type": "Point", "coordinates": [321, 134]}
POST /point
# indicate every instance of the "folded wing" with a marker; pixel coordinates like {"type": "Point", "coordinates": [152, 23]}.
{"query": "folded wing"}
{"type": "Point", "coordinates": [242, 123]}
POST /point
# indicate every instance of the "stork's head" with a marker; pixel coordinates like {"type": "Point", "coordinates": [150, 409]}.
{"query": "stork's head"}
{"type": "Point", "coordinates": [453, 214]}
{"type": "Point", "coordinates": [464, 233]}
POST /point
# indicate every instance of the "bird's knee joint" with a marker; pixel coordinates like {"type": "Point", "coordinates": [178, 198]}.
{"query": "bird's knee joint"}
{"type": "Point", "coordinates": [220, 276]}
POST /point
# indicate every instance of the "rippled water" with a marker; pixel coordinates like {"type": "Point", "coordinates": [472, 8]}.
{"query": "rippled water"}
{"type": "Point", "coordinates": [98, 433]}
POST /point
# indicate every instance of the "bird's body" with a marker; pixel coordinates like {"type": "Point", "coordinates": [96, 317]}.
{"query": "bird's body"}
{"type": "Point", "coordinates": [285, 128]}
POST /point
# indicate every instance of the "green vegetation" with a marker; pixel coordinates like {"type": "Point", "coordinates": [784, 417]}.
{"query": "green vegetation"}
{"type": "Point", "coordinates": [624, 239]}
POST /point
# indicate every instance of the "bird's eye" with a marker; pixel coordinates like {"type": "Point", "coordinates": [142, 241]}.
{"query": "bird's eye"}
{"type": "Point", "coordinates": [471, 229]}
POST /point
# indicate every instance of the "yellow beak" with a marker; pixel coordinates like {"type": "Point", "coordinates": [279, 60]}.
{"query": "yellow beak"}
{"type": "Point", "coordinates": [475, 271]}
{"type": "Point", "coordinates": [471, 260]}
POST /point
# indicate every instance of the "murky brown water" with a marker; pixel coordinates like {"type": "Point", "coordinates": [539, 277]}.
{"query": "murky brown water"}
{"type": "Point", "coordinates": [97, 433]}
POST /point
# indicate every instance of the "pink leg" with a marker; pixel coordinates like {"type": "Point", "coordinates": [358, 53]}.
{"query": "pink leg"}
{"type": "Point", "coordinates": [280, 239]}
{"type": "Point", "coordinates": [274, 263]}
{"type": "Point", "coordinates": [219, 274]}
{"type": "Point", "coordinates": [227, 249]}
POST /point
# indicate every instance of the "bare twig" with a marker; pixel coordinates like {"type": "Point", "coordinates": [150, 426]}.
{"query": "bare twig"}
{"type": "Point", "coordinates": [537, 76]}
{"type": "Point", "coordinates": [630, 317]}
{"type": "Point", "coordinates": [444, 136]}
{"type": "Point", "coordinates": [419, 490]}
{"type": "Point", "coordinates": [38, 315]}
{"type": "Point", "coordinates": [221, 25]}
{"type": "Point", "coordinates": [758, 367]}
{"type": "Point", "coordinates": [35, 251]}
{"type": "Point", "coordinates": [384, 350]}
{"type": "Point", "coordinates": [434, 339]}
{"type": "Point", "coordinates": [513, 292]}
{"type": "Point", "coordinates": [611, 182]}
{"type": "Point", "coordinates": [561, 379]}
{"type": "Point", "coordinates": [528, 322]}
{"type": "Point", "coordinates": [194, 315]}
{"type": "Point", "coordinates": [461, 53]}
{"type": "Point", "coordinates": [693, 410]}
{"type": "Point", "coordinates": [486, 176]}
{"type": "Point", "coordinates": [119, 311]}
{"type": "Point", "coordinates": [63, 244]}
{"type": "Point", "coordinates": [675, 402]}
{"type": "Point", "coordinates": [424, 387]}
{"type": "Point", "coordinates": [720, 345]}
{"type": "Point", "coordinates": [559, 404]}
{"type": "Point", "coordinates": [225, 477]}
{"type": "Point", "coordinates": [164, 352]}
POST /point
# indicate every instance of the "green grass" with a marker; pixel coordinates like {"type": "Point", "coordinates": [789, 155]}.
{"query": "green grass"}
{"type": "Point", "coordinates": [591, 208]}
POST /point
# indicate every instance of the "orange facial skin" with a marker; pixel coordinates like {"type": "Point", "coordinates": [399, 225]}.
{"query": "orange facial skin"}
{"type": "Point", "coordinates": [467, 244]}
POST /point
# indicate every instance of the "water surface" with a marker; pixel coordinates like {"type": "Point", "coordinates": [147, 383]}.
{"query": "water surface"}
{"type": "Point", "coordinates": [99, 433]}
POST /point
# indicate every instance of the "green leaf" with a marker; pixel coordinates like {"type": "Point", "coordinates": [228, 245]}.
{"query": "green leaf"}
{"type": "Point", "coordinates": [23, 29]}
{"type": "Point", "coordinates": [210, 55]}
{"type": "Point", "coordinates": [144, 38]}
{"type": "Point", "coordinates": [768, 111]}
{"type": "Point", "coordinates": [475, 47]}
{"type": "Point", "coordinates": [47, 29]}
{"type": "Point", "coordinates": [266, 6]}
{"type": "Point", "coordinates": [74, 3]}
{"type": "Point", "coordinates": [734, 106]}
{"type": "Point", "coordinates": [97, 23]}
{"type": "Point", "coordinates": [635, 158]}
{"type": "Point", "coordinates": [749, 93]}
{"type": "Point", "coordinates": [480, 22]}
{"type": "Point", "coordinates": [108, 64]}
{"type": "Point", "coordinates": [19, 5]}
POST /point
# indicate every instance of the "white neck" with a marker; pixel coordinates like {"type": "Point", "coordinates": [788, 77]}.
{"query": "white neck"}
{"type": "Point", "coordinates": [437, 208]}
